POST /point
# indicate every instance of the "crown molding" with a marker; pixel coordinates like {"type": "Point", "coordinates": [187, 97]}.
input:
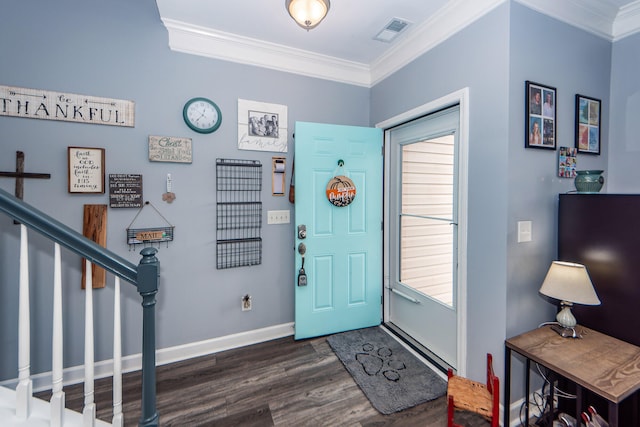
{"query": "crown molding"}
{"type": "Point", "coordinates": [595, 16]}
{"type": "Point", "coordinates": [202, 41]}
{"type": "Point", "coordinates": [627, 22]}
{"type": "Point", "coordinates": [193, 39]}
{"type": "Point", "coordinates": [592, 16]}
{"type": "Point", "coordinates": [453, 17]}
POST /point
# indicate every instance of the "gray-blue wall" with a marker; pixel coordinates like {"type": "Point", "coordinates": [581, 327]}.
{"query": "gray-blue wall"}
{"type": "Point", "coordinates": [550, 53]}
{"type": "Point", "coordinates": [624, 155]}
{"type": "Point", "coordinates": [477, 58]}
{"type": "Point", "coordinates": [119, 49]}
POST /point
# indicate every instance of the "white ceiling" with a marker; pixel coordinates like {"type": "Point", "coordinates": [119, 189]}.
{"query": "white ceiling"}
{"type": "Point", "coordinates": [342, 47]}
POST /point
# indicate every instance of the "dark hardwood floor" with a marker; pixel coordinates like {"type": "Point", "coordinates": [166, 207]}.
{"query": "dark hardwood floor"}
{"type": "Point", "coordinates": [276, 383]}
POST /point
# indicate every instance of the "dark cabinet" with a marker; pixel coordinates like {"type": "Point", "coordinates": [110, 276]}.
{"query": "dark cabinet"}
{"type": "Point", "coordinates": [602, 231]}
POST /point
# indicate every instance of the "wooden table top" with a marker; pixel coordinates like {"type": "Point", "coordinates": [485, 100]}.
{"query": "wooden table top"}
{"type": "Point", "coordinates": [603, 364]}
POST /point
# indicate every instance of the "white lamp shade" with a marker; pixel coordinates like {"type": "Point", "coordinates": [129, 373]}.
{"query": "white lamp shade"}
{"type": "Point", "coordinates": [567, 281]}
{"type": "Point", "coordinates": [308, 13]}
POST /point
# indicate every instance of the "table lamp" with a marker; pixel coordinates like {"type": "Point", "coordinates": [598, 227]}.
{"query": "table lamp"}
{"type": "Point", "coordinates": [569, 283]}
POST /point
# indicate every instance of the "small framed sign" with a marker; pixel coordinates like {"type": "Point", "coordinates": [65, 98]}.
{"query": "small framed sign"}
{"type": "Point", "coordinates": [170, 149]}
{"type": "Point", "coordinates": [125, 190]}
{"type": "Point", "coordinates": [86, 170]}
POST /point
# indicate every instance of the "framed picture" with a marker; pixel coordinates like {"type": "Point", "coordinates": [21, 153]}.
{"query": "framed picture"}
{"type": "Point", "coordinates": [262, 126]}
{"type": "Point", "coordinates": [86, 170]}
{"type": "Point", "coordinates": [567, 162]}
{"type": "Point", "coordinates": [540, 117]}
{"type": "Point", "coordinates": [588, 124]}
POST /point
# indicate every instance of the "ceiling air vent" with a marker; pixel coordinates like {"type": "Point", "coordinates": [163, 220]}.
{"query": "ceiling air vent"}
{"type": "Point", "coordinates": [392, 30]}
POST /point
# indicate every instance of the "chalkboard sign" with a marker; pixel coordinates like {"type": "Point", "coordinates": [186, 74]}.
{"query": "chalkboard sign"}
{"type": "Point", "coordinates": [125, 191]}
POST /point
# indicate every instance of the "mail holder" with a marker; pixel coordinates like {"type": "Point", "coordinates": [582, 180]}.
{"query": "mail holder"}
{"type": "Point", "coordinates": [239, 213]}
{"type": "Point", "coordinates": [149, 235]}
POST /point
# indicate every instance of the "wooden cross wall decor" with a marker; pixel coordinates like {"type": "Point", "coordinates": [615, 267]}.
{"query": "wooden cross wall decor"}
{"type": "Point", "coordinates": [20, 175]}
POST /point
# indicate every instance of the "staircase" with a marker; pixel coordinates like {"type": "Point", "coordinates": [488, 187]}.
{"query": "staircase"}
{"type": "Point", "coordinates": [18, 406]}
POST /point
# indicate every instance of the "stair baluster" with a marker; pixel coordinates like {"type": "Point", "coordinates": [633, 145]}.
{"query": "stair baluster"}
{"type": "Point", "coordinates": [118, 418]}
{"type": "Point", "coordinates": [57, 398]}
{"type": "Point", "coordinates": [25, 387]}
{"type": "Point", "coordinates": [89, 411]}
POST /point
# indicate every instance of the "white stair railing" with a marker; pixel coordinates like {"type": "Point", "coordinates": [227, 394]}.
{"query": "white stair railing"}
{"type": "Point", "coordinates": [24, 392]}
{"type": "Point", "coordinates": [57, 398]}
{"type": "Point", "coordinates": [144, 276]}
{"type": "Point", "coordinates": [89, 410]}
{"type": "Point", "coordinates": [118, 418]}
{"type": "Point", "coordinates": [24, 388]}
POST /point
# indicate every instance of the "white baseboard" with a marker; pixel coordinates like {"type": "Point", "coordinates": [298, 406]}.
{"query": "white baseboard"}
{"type": "Point", "coordinates": [104, 368]}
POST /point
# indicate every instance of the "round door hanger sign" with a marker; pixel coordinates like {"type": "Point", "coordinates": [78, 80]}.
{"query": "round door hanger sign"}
{"type": "Point", "coordinates": [341, 191]}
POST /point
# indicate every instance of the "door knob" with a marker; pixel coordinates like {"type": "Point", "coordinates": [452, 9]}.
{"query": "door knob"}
{"type": "Point", "coordinates": [302, 275]}
{"type": "Point", "coordinates": [302, 231]}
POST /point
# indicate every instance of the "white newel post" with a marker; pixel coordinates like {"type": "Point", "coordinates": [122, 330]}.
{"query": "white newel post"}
{"type": "Point", "coordinates": [118, 419]}
{"type": "Point", "coordinates": [57, 398]}
{"type": "Point", "coordinates": [89, 410]}
{"type": "Point", "coordinates": [24, 388]}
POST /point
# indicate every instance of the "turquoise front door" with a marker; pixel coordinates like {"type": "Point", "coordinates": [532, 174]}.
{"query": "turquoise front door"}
{"type": "Point", "coordinates": [342, 284]}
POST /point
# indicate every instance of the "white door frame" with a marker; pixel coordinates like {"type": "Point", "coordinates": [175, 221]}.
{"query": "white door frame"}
{"type": "Point", "coordinates": [460, 97]}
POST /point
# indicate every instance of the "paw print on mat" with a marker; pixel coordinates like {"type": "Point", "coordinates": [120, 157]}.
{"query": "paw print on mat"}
{"type": "Point", "coordinates": [380, 362]}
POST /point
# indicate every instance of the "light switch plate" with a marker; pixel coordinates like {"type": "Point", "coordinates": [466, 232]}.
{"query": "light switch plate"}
{"type": "Point", "coordinates": [278, 217]}
{"type": "Point", "coordinates": [524, 231]}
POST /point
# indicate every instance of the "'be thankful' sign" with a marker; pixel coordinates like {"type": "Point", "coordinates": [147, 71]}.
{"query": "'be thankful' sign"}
{"type": "Point", "coordinates": [69, 107]}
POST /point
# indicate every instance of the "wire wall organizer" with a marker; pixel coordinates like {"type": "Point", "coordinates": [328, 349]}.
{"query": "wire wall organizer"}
{"type": "Point", "coordinates": [239, 213]}
{"type": "Point", "coordinates": [144, 236]}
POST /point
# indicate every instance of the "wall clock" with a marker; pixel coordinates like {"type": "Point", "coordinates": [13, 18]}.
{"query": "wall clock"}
{"type": "Point", "coordinates": [202, 115]}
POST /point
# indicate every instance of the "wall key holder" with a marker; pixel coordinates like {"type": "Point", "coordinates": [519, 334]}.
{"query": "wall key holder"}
{"type": "Point", "coordinates": [149, 235]}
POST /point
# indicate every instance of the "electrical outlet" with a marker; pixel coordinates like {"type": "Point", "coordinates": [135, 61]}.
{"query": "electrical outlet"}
{"type": "Point", "coordinates": [246, 302]}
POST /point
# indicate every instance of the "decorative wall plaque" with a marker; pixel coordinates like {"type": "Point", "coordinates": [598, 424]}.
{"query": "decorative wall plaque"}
{"type": "Point", "coordinates": [341, 191]}
{"type": "Point", "coordinates": [86, 170]}
{"type": "Point", "coordinates": [125, 191]}
{"type": "Point", "coordinates": [170, 149]}
{"type": "Point", "coordinates": [68, 107]}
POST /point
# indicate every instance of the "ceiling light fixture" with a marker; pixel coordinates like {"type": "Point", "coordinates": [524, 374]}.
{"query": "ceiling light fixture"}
{"type": "Point", "coordinates": [308, 13]}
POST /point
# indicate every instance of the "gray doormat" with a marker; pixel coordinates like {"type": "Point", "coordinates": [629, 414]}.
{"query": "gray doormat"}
{"type": "Point", "coordinates": [390, 376]}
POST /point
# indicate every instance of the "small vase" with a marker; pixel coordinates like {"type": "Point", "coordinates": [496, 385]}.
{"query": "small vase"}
{"type": "Point", "coordinates": [589, 181]}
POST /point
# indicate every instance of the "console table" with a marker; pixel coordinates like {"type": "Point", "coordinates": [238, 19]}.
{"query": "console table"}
{"type": "Point", "coordinates": [597, 362]}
